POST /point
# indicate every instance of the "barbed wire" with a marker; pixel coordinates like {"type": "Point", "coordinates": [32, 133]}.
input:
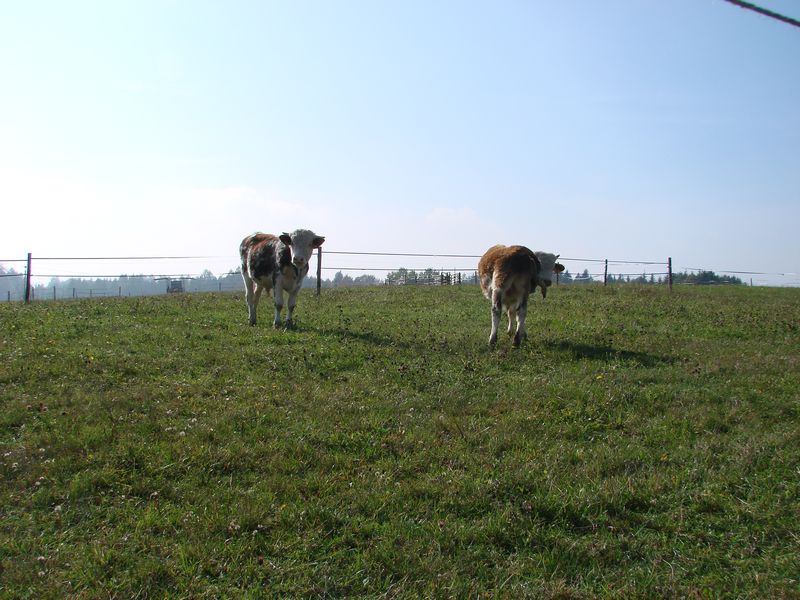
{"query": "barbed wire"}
{"type": "Point", "coordinates": [153, 276]}
{"type": "Point", "coordinates": [122, 257]}
{"type": "Point", "coordinates": [740, 272]}
{"type": "Point", "coordinates": [474, 256]}
{"type": "Point", "coordinates": [402, 254]}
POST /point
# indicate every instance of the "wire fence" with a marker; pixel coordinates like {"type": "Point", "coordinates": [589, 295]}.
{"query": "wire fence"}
{"type": "Point", "coordinates": [349, 268]}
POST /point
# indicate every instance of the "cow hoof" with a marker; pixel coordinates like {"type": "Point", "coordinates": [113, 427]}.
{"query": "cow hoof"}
{"type": "Point", "coordinates": [289, 324]}
{"type": "Point", "coordinates": [276, 325]}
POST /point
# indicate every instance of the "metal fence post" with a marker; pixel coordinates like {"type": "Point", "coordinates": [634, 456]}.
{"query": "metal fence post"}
{"type": "Point", "coordinates": [605, 274]}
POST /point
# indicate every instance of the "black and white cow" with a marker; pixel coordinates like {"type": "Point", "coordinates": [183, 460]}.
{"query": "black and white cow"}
{"type": "Point", "coordinates": [276, 263]}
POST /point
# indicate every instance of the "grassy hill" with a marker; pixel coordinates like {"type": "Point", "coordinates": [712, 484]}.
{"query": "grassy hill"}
{"type": "Point", "coordinates": [640, 443]}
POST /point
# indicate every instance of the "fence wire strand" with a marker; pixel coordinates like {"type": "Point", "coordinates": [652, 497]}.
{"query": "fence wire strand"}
{"type": "Point", "coordinates": [418, 270]}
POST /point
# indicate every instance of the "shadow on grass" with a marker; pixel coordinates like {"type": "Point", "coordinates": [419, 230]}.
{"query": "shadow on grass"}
{"type": "Point", "coordinates": [607, 353]}
{"type": "Point", "coordinates": [367, 337]}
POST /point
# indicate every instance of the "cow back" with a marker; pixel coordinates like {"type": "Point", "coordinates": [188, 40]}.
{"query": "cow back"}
{"type": "Point", "coordinates": [263, 254]}
{"type": "Point", "coordinates": [502, 264]}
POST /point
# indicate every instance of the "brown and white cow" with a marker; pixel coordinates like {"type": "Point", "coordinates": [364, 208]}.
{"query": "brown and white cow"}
{"type": "Point", "coordinates": [508, 275]}
{"type": "Point", "coordinates": [276, 263]}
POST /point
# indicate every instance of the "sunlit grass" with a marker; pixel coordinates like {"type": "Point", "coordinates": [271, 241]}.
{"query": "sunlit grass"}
{"type": "Point", "coordinates": [640, 443]}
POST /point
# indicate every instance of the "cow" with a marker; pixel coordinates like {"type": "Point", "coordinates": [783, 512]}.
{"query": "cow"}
{"type": "Point", "coordinates": [508, 275]}
{"type": "Point", "coordinates": [276, 263]}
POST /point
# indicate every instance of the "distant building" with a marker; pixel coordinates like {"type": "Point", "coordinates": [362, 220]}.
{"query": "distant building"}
{"type": "Point", "coordinates": [175, 286]}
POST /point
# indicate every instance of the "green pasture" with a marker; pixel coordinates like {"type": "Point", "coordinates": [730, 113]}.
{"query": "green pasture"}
{"type": "Point", "coordinates": [641, 443]}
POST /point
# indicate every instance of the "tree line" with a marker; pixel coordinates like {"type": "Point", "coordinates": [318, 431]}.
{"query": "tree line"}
{"type": "Point", "coordinates": [432, 276]}
{"type": "Point", "coordinates": [12, 283]}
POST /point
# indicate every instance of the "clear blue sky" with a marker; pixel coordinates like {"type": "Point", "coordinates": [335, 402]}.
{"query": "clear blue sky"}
{"type": "Point", "coordinates": [629, 129]}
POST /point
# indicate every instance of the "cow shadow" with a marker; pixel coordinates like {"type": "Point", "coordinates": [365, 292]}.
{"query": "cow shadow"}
{"type": "Point", "coordinates": [367, 337]}
{"type": "Point", "coordinates": [606, 353]}
{"type": "Point", "coordinates": [577, 351]}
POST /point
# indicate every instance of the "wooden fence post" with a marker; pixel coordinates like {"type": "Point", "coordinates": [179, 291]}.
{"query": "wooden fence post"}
{"type": "Point", "coordinates": [28, 279]}
{"type": "Point", "coordinates": [605, 274]}
{"type": "Point", "coordinates": [319, 270]}
{"type": "Point", "coordinates": [669, 272]}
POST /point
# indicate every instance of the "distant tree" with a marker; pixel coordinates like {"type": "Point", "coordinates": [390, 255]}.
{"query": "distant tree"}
{"type": "Point", "coordinates": [430, 276]}
{"type": "Point", "coordinates": [705, 278]}
{"type": "Point", "coordinates": [362, 280]}
{"type": "Point", "coordinates": [11, 285]}
{"type": "Point", "coordinates": [401, 276]}
{"type": "Point", "coordinates": [342, 280]}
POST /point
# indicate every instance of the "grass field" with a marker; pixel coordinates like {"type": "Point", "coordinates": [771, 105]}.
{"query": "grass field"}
{"type": "Point", "coordinates": [639, 444]}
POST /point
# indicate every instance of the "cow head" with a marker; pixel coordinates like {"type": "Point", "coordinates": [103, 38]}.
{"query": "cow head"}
{"type": "Point", "coordinates": [549, 267]}
{"type": "Point", "coordinates": [301, 243]}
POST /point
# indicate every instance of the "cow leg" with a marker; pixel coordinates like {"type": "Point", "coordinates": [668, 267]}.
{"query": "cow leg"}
{"type": "Point", "coordinates": [251, 296]}
{"type": "Point", "coordinates": [256, 298]}
{"type": "Point", "coordinates": [512, 317]}
{"type": "Point", "coordinates": [496, 309]}
{"type": "Point", "coordinates": [277, 293]}
{"type": "Point", "coordinates": [521, 334]}
{"type": "Point", "coordinates": [292, 304]}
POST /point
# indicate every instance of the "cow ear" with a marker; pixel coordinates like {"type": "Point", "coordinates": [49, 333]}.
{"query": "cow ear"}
{"type": "Point", "coordinates": [318, 241]}
{"type": "Point", "coordinates": [558, 268]}
{"type": "Point", "coordinates": [286, 239]}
